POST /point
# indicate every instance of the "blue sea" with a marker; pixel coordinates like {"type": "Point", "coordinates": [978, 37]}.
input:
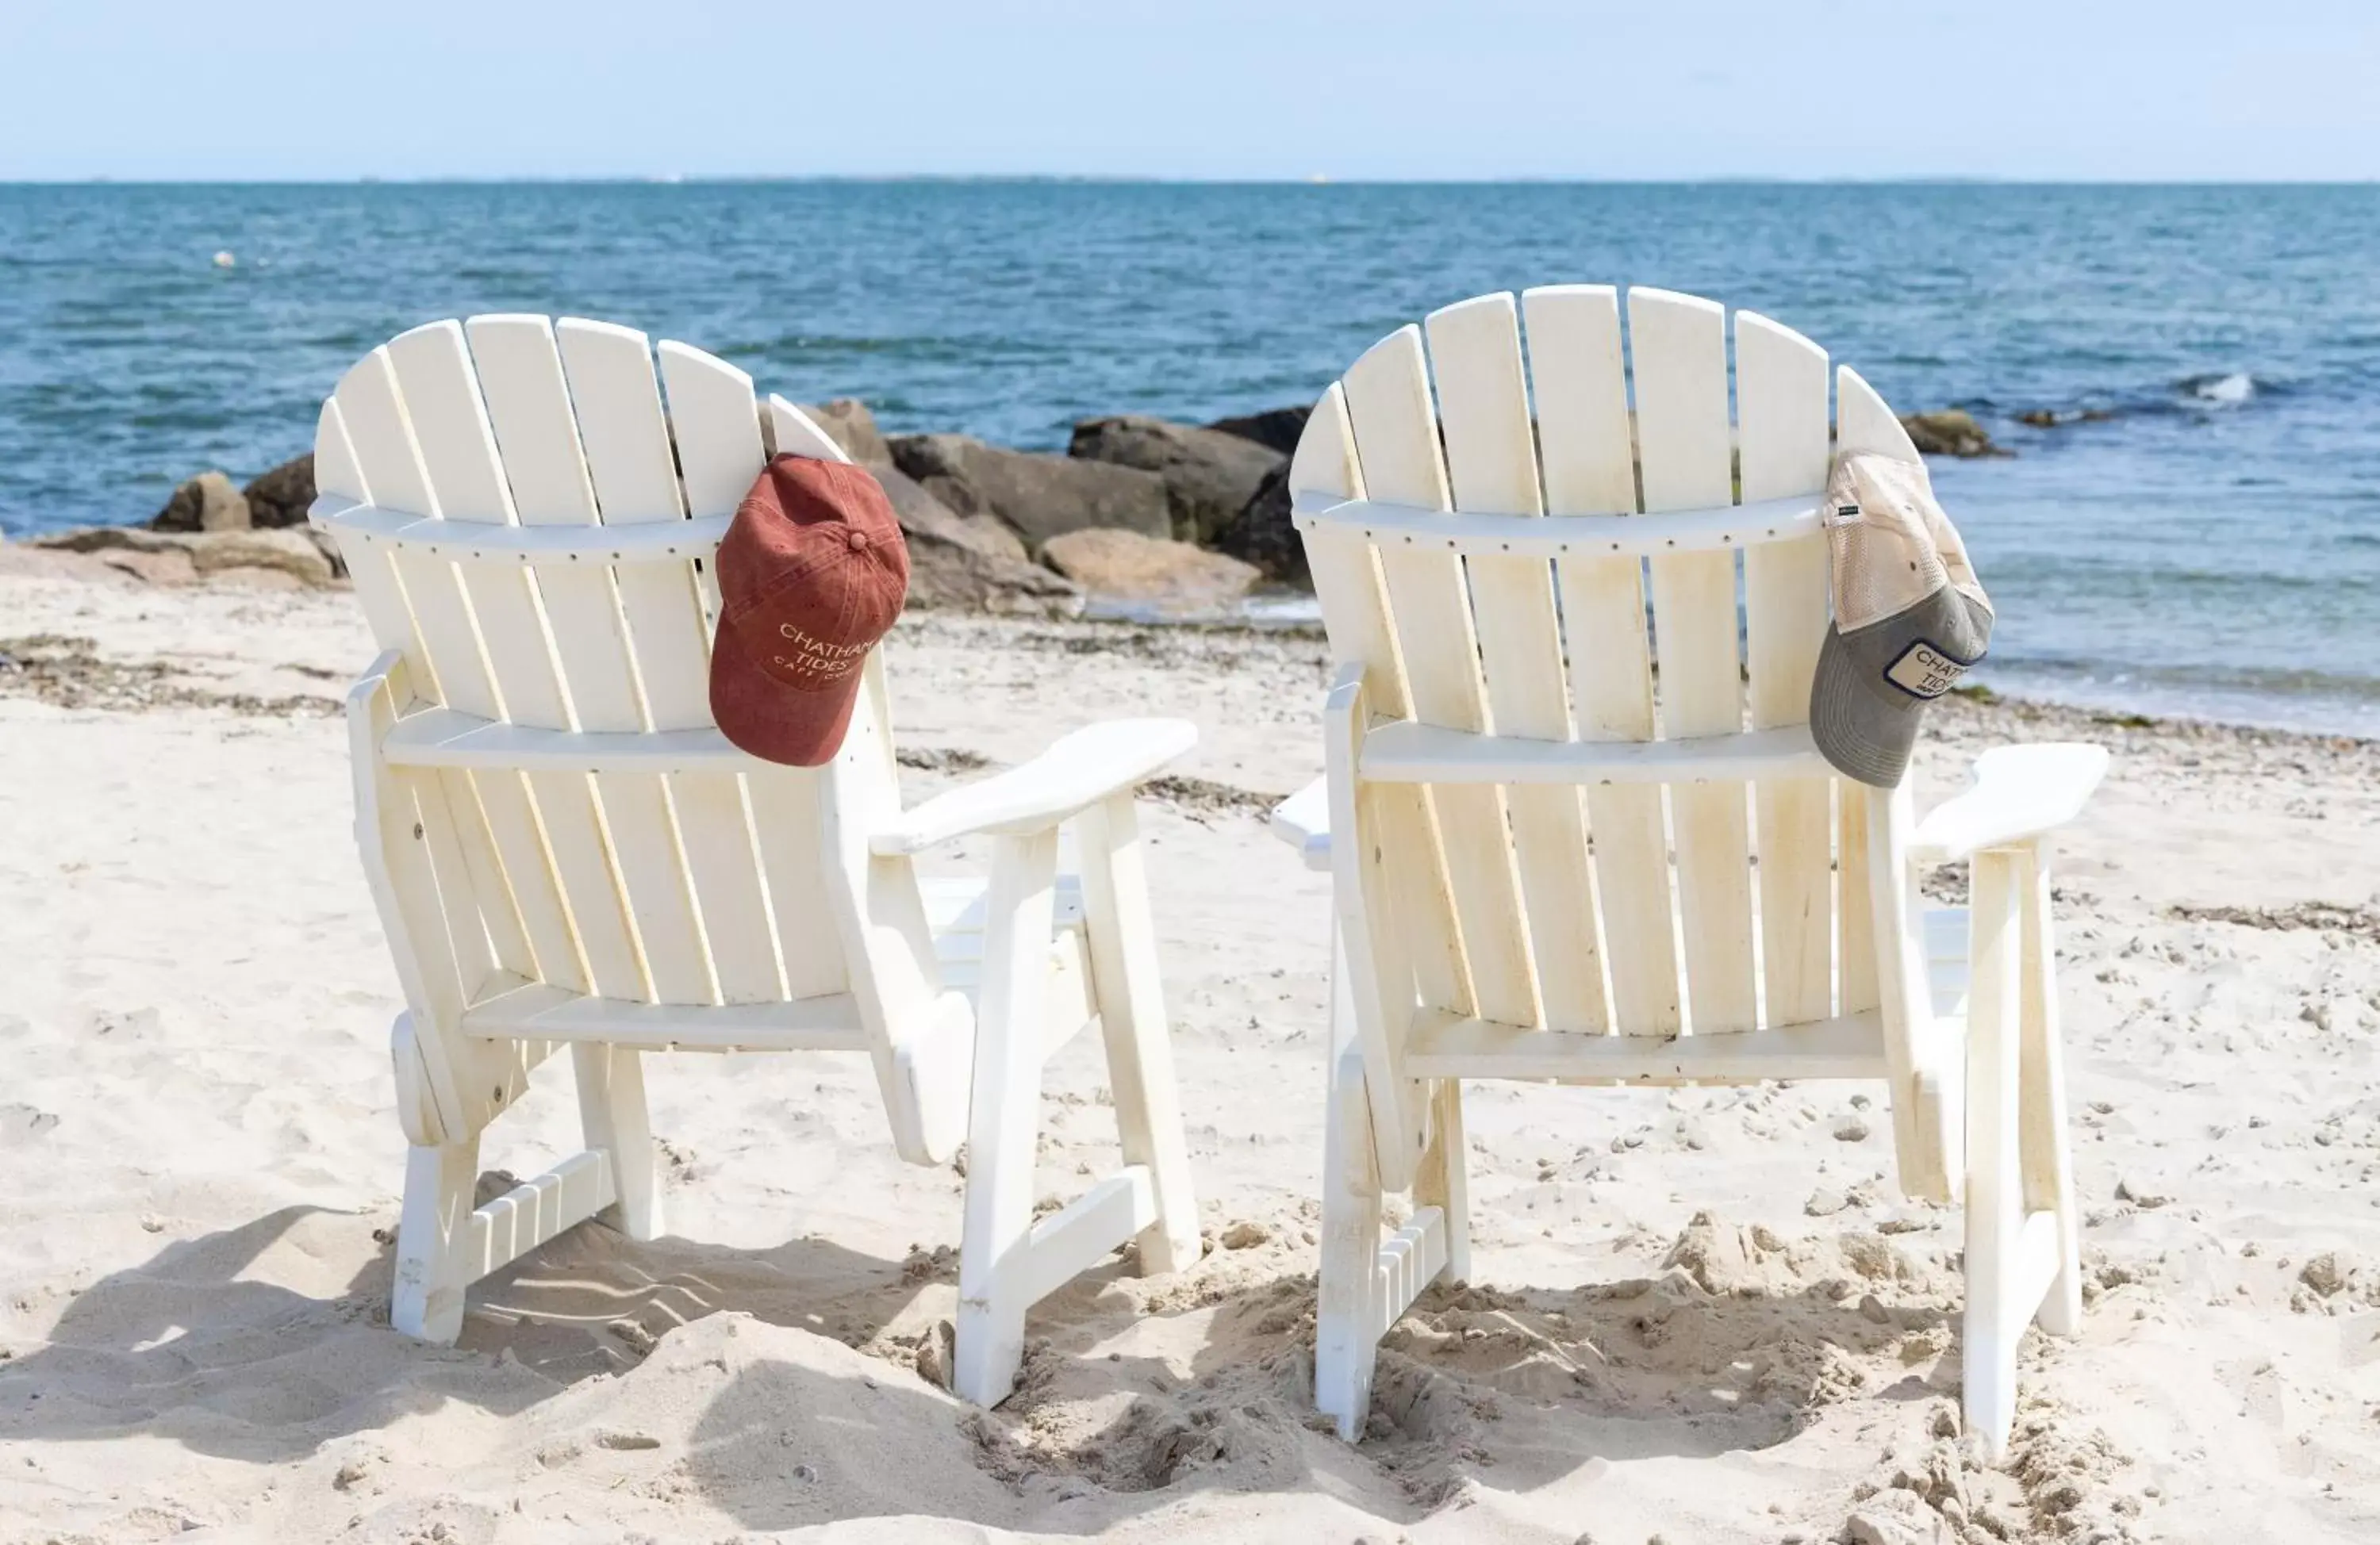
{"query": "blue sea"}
{"type": "Point", "coordinates": [2206, 542]}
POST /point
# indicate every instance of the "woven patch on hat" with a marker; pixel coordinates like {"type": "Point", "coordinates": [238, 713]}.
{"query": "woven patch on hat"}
{"type": "Point", "coordinates": [1924, 671]}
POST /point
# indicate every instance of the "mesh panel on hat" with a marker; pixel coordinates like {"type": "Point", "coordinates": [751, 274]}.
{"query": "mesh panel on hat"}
{"type": "Point", "coordinates": [1882, 557]}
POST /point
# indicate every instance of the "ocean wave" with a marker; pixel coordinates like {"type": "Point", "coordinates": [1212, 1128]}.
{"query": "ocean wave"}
{"type": "Point", "coordinates": [2211, 391]}
{"type": "Point", "coordinates": [2227, 389]}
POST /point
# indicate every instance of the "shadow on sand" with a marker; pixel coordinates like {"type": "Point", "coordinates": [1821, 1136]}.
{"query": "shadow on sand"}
{"type": "Point", "coordinates": [793, 1424]}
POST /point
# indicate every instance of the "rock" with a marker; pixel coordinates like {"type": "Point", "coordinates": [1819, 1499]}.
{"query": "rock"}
{"type": "Point", "coordinates": [18, 559]}
{"type": "Point", "coordinates": [207, 502]}
{"type": "Point", "coordinates": [921, 512]}
{"type": "Point", "coordinates": [1209, 476]}
{"type": "Point", "coordinates": [1850, 1128]}
{"type": "Point", "coordinates": [2131, 1189]}
{"type": "Point", "coordinates": [848, 423]}
{"type": "Point", "coordinates": [2050, 418]}
{"type": "Point", "coordinates": [207, 553]}
{"type": "Point", "coordinates": [1174, 578]}
{"type": "Point", "coordinates": [1038, 495]}
{"type": "Point", "coordinates": [247, 576]}
{"type": "Point", "coordinates": [937, 1354]}
{"type": "Point", "coordinates": [169, 566]}
{"type": "Point", "coordinates": [282, 496]}
{"type": "Point", "coordinates": [1264, 536]}
{"type": "Point", "coordinates": [290, 552]}
{"type": "Point", "coordinates": [1246, 1235]}
{"type": "Point", "coordinates": [103, 538]}
{"type": "Point", "coordinates": [970, 565]}
{"type": "Point", "coordinates": [1276, 427]}
{"type": "Point", "coordinates": [1712, 1253]}
{"type": "Point", "coordinates": [2329, 1273]}
{"type": "Point", "coordinates": [1825, 1203]}
{"type": "Point", "coordinates": [1896, 1517]}
{"type": "Point", "coordinates": [1951, 433]}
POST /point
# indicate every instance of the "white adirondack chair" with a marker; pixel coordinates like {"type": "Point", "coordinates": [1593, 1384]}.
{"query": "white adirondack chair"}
{"type": "Point", "coordinates": [564, 849]}
{"type": "Point", "coordinates": [1495, 711]}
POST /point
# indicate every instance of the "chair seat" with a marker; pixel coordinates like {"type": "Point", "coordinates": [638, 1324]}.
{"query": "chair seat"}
{"type": "Point", "coordinates": [511, 1008]}
{"type": "Point", "coordinates": [1946, 961]}
{"type": "Point", "coordinates": [954, 911]}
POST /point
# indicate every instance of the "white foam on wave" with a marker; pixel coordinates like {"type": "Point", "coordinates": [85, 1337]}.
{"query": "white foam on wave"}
{"type": "Point", "coordinates": [2236, 387]}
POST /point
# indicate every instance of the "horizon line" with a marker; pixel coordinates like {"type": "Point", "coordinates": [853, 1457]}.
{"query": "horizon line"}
{"type": "Point", "coordinates": [1137, 179]}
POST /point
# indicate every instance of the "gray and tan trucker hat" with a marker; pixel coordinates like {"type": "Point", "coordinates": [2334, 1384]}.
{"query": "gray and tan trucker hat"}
{"type": "Point", "coordinates": [1909, 615]}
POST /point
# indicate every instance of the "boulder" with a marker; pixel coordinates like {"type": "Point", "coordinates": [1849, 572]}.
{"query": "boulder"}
{"type": "Point", "coordinates": [969, 564]}
{"type": "Point", "coordinates": [282, 496]}
{"type": "Point", "coordinates": [2053, 418]}
{"type": "Point", "coordinates": [171, 566]}
{"type": "Point", "coordinates": [23, 560]}
{"type": "Point", "coordinates": [1951, 433]}
{"type": "Point", "coordinates": [1209, 476]}
{"type": "Point", "coordinates": [207, 502]}
{"type": "Point", "coordinates": [921, 512]}
{"type": "Point", "coordinates": [1038, 495]}
{"type": "Point", "coordinates": [1263, 535]}
{"type": "Point", "coordinates": [1172, 578]}
{"type": "Point", "coordinates": [290, 552]}
{"type": "Point", "coordinates": [1276, 427]}
{"type": "Point", "coordinates": [103, 539]}
{"type": "Point", "coordinates": [848, 422]}
{"type": "Point", "coordinates": [294, 553]}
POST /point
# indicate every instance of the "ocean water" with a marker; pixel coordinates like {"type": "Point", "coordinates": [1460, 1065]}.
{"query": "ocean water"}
{"type": "Point", "coordinates": [2206, 542]}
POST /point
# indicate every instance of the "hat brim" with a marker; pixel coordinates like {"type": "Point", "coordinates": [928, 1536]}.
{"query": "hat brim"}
{"type": "Point", "coordinates": [762, 715]}
{"type": "Point", "coordinates": [1860, 733]}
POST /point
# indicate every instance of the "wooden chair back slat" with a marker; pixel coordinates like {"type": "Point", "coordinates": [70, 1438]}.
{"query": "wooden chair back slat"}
{"type": "Point", "coordinates": [1396, 438]}
{"type": "Point", "coordinates": [1677, 356]}
{"type": "Point", "coordinates": [1483, 398]}
{"type": "Point", "coordinates": [1580, 378]}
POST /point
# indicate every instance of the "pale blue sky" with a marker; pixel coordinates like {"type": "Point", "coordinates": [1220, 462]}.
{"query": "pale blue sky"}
{"type": "Point", "coordinates": [335, 89]}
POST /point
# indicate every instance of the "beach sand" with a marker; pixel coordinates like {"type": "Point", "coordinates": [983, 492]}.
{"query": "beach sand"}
{"type": "Point", "coordinates": [1699, 1316]}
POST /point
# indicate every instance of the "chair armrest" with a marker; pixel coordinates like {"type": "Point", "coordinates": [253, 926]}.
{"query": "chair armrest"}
{"type": "Point", "coordinates": [1078, 770]}
{"type": "Point", "coordinates": [1303, 821]}
{"type": "Point", "coordinates": [386, 673]}
{"type": "Point", "coordinates": [2019, 792]}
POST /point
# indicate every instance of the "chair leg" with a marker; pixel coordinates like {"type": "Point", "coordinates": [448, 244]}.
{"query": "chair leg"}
{"type": "Point", "coordinates": [427, 1298]}
{"type": "Point", "coordinates": [612, 1113]}
{"type": "Point", "coordinates": [1005, 1118]}
{"type": "Point", "coordinates": [1443, 1180]}
{"type": "Point", "coordinates": [2048, 1162]}
{"type": "Point", "coordinates": [1995, 1317]}
{"type": "Point", "coordinates": [1132, 1016]}
{"type": "Point", "coordinates": [1347, 1319]}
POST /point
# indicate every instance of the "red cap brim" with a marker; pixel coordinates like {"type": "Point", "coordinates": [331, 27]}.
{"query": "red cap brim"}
{"type": "Point", "coordinates": [762, 715]}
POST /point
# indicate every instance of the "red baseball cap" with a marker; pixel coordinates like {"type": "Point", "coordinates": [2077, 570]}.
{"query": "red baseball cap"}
{"type": "Point", "coordinates": [812, 573]}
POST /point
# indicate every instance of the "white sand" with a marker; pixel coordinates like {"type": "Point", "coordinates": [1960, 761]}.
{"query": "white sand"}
{"type": "Point", "coordinates": [198, 1164]}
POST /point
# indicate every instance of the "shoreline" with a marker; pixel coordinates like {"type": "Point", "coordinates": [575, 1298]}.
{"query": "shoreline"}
{"type": "Point", "coordinates": [1148, 636]}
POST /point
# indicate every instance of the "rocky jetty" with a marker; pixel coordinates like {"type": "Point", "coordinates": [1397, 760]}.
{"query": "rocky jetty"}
{"type": "Point", "coordinates": [210, 529]}
{"type": "Point", "coordinates": [1141, 514]}
{"type": "Point", "coordinates": [1951, 431]}
{"type": "Point", "coordinates": [969, 562]}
